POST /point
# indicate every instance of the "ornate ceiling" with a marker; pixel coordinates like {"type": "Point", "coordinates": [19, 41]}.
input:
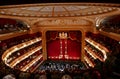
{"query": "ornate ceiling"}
{"type": "Point", "coordinates": [56, 10]}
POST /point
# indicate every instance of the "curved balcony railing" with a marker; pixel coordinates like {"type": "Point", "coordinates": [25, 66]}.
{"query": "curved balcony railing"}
{"type": "Point", "coordinates": [103, 49]}
{"type": "Point", "coordinates": [15, 48]}
{"type": "Point", "coordinates": [31, 63]}
{"type": "Point", "coordinates": [93, 54]}
{"type": "Point", "coordinates": [89, 62]}
{"type": "Point", "coordinates": [19, 59]}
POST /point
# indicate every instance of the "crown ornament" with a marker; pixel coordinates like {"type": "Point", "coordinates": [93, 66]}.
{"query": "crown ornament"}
{"type": "Point", "coordinates": [63, 35]}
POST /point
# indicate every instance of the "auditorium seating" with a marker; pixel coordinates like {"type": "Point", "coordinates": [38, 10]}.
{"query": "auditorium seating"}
{"type": "Point", "coordinates": [23, 43]}
{"type": "Point", "coordinates": [56, 66]}
{"type": "Point", "coordinates": [95, 48]}
{"type": "Point", "coordinates": [27, 60]}
{"type": "Point", "coordinates": [111, 44]}
{"type": "Point", "coordinates": [23, 51]}
{"type": "Point", "coordinates": [11, 25]}
{"type": "Point", "coordinates": [110, 24]}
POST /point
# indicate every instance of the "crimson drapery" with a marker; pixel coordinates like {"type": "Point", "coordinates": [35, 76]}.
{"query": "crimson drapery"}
{"type": "Point", "coordinates": [72, 47]}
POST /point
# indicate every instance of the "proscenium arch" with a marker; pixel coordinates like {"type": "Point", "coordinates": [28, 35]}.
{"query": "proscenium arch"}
{"type": "Point", "coordinates": [62, 29]}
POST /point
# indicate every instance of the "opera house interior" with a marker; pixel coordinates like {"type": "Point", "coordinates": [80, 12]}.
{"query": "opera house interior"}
{"type": "Point", "coordinates": [60, 41]}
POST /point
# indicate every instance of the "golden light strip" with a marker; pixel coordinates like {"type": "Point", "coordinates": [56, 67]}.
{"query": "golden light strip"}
{"type": "Point", "coordinates": [31, 63]}
{"type": "Point", "coordinates": [89, 52]}
{"type": "Point", "coordinates": [11, 50]}
{"type": "Point", "coordinates": [92, 53]}
{"type": "Point", "coordinates": [88, 61]}
{"type": "Point", "coordinates": [57, 57]}
{"type": "Point", "coordinates": [98, 46]}
{"type": "Point", "coordinates": [32, 70]}
{"type": "Point", "coordinates": [19, 59]}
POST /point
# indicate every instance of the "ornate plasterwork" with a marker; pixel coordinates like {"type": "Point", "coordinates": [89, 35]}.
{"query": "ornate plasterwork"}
{"type": "Point", "coordinates": [71, 21]}
{"type": "Point", "coordinates": [56, 10]}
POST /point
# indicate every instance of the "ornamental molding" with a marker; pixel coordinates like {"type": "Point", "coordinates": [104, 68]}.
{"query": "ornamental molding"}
{"type": "Point", "coordinates": [71, 21]}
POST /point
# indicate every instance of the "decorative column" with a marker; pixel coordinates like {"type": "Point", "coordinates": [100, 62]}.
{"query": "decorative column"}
{"type": "Point", "coordinates": [44, 44]}
{"type": "Point", "coordinates": [83, 45]}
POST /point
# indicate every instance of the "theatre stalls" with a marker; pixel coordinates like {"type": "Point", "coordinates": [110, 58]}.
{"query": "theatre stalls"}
{"type": "Point", "coordinates": [60, 41]}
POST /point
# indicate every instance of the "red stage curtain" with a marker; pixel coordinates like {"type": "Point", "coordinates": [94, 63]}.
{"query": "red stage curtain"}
{"type": "Point", "coordinates": [75, 35]}
{"type": "Point", "coordinates": [51, 35]}
{"type": "Point", "coordinates": [53, 48]}
{"type": "Point", "coordinates": [74, 48]}
{"type": "Point", "coordinates": [73, 45]}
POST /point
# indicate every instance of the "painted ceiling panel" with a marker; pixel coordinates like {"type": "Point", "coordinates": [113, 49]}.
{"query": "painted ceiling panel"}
{"type": "Point", "coordinates": [55, 10]}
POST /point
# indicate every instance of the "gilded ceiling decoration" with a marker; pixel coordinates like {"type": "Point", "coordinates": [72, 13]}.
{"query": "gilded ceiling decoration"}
{"type": "Point", "coordinates": [54, 10]}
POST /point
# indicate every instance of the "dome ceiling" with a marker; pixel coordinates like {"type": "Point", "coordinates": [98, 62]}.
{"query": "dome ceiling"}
{"type": "Point", "coordinates": [55, 10]}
